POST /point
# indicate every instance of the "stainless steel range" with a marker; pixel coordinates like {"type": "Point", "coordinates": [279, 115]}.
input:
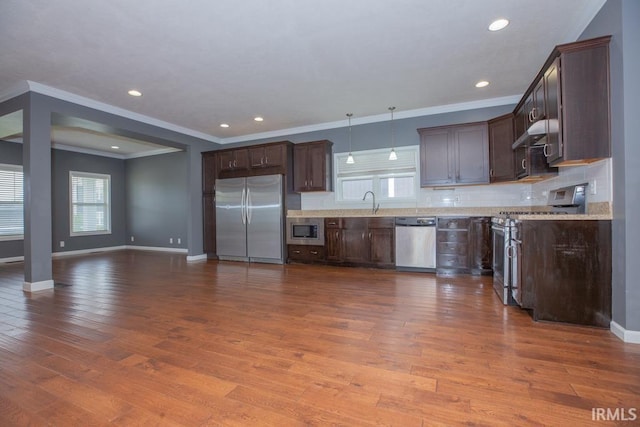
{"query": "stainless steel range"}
{"type": "Point", "coordinates": [507, 244]}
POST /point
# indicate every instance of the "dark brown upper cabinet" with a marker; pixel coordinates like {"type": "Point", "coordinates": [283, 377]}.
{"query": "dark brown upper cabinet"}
{"type": "Point", "coordinates": [312, 166]}
{"type": "Point", "coordinates": [572, 123]}
{"type": "Point", "coordinates": [454, 155]}
{"type": "Point", "coordinates": [501, 155]}
{"type": "Point", "coordinates": [233, 163]}
{"type": "Point", "coordinates": [268, 156]}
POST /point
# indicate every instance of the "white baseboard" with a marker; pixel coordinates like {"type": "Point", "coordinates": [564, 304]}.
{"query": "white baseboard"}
{"type": "Point", "coordinates": [196, 258]}
{"type": "Point", "coordinates": [87, 251]}
{"type": "Point", "coordinates": [37, 286]}
{"type": "Point", "coordinates": [11, 259]}
{"type": "Point", "coordinates": [157, 249]}
{"type": "Point", "coordinates": [625, 335]}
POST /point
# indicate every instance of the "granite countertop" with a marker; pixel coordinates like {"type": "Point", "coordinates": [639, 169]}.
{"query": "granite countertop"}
{"type": "Point", "coordinates": [596, 211]}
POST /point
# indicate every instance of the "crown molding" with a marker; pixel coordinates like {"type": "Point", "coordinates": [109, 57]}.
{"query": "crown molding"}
{"type": "Point", "coordinates": [428, 111]}
{"type": "Point", "coordinates": [101, 106]}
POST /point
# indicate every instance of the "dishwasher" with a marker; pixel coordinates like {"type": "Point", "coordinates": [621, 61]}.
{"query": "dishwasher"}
{"type": "Point", "coordinates": [416, 244]}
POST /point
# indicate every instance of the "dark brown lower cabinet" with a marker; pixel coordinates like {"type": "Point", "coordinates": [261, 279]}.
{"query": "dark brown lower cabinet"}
{"type": "Point", "coordinates": [306, 253]}
{"type": "Point", "coordinates": [367, 242]}
{"type": "Point", "coordinates": [464, 246]}
{"type": "Point", "coordinates": [566, 270]}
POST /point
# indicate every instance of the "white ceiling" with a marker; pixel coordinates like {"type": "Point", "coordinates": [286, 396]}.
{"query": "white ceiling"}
{"type": "Point", "coordinates": [301, 64]}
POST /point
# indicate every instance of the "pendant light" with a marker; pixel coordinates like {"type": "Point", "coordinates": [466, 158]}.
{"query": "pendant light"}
{"type": "Point", "coordinates": [392, 154]}
{"type": "Point", "coordinates": [350, 160]}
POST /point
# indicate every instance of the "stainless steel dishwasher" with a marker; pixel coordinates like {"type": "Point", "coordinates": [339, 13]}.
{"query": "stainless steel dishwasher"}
{"type": "Point", "coordinates": [416, 244]}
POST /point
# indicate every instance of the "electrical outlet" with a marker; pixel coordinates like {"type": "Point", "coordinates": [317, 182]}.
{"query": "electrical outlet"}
{"type": "Point", "coordinates": [593, 188]}
{"type": "Point", "coordinates": [171, 240]}
{"type": "Point", "coordinates": [132, 238]}
{"type": "Point", "coordinates": [179, 240]}
{"type": "Point", "coordinates": [62, 243]}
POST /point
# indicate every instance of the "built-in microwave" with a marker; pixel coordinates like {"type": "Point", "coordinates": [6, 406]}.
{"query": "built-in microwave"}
{"type": "Point", "coordinates": [305, 231]}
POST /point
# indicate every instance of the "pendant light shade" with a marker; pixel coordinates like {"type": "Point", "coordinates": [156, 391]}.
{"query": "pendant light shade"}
{"type": "Point", "coordinates": [350, 160]}
{"type": "Point", "coordinates": [392, 154]}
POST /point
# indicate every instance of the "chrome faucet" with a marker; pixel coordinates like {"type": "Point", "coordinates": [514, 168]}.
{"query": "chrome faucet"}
{"type": "Point", "coordinates": [374, 208]}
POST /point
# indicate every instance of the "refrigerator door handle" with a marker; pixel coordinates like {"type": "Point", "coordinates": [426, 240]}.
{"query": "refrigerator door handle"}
{"type": "Point", "coordinates": [243, 207]}
{"type": "Point", "coordinates": [249, 206]}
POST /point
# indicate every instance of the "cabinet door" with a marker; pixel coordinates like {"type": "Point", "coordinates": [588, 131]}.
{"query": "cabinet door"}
{"type": "Point", "coordinates": [225, 160]}
{"type": "Point", "coordinates": [209, 223]}
{"type": "Point", "coordinates": [275, 155]}
{"type": "Point", "coordinates": [256, 157]}
{"type": "Point", "coordinates": [520, 161]}
{"type": "Point", "coordinates": [472, 154]}
{"type": "Point", "coordinates": [501, 159]}
{"type": "Point", "coordinates": [300, 180]}
{"type": "Point", "coordinates": [241, 159]}
{"type": "Point", "coordinates": [333, 244]}
{"type": "Point", "coordinates": [436, 159]}
{"type": "Point", "coordinates": [520, 122]}
{"type": "Point", "coordinates": [209, 172]}
{"type": "Point", "coordinates": [480, 250]}
{"type": "Point", "coordinates": [317, 167]}
{"type": "Point", "coordinates": [382, 246]}
{"type": "Point", "coordinates": [538, 107]}
{"type": "Point", "coordinates": [355, 241]}
{"type": "Point", "coordinates": [553, 146]}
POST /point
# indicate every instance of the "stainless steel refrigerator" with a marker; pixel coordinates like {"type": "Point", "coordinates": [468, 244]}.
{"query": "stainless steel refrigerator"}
{"type": "Point", "coordinates": [249, 219]}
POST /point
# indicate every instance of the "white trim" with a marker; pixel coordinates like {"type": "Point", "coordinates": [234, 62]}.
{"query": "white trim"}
{"type": "Point", "coordinates": [11, 259]}
{"type": "Point", "coordinates": [87, 251]}
{"type": "Point", "coordinates": [101, 106]}
{"type": "Point", "coordinates": [196, 258]}
{"type": "Point", "coordinates": [107, 202]}
{"type": "Point", "coordinates": [82, 150]}
{"type": "Point", "coordinates": [42, 285]}
{"type": "Point", "coordinates": [632, 337]}
{"type": "Point", "coordinates": [428, 111]}
{"type": "Point", "coordinates": [152, 153]}
{"type": "Point", "coordinates": [159, 249]}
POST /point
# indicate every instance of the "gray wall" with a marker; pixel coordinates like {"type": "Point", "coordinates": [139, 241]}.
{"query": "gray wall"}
{"type": "Point", "coordinates": [378, 135]}
{"type": "Point", "coordinates": [62, 163]}
{"type": "Point", "coordinates": [156, 200]}
{"type": "Point", "coordinates": [65, 161]}
{"type": "Point", "coordinates": [620, 18]}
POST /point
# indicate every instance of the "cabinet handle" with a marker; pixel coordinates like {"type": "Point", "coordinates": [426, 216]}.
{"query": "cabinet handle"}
{"type": "Point", "coordinates": [235, 162]}
{"type": "Point", "coordinates": [333, 223]}
{"type": "Point", "coordinates": [311, 183]}
{"type": "Point", "coordinates": [296, 252]}
{"type": "Point", "coordinates": [534, 114]}
{"type": "Point", "coordinates": [266, 160]}
{"type": "Point", "coordinates": [545, 150]}
{"type": "Point", "coordinates": [230, 166]}
{"type": "Point", "coordinates": [369, 235]}
{"type": "Point", "coordinates": [363, 235]}
{"type": "Point", "coordinates": [305, 183]}
{"type": "Point", "coordinates": [261, 160]}
{"type": "Point", "coordinates": [313, 252]}
{"type": "Point", "coordinates": [524, 164]}
{"type": "Point", "coordinates": [491, 172]}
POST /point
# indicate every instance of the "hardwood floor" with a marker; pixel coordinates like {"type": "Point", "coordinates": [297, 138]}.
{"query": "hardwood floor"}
{"type": "Point", "coordinates": [143, 338]}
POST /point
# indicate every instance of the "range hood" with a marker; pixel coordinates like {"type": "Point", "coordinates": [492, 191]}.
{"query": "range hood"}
{"type": "Point", "coordinates": [536, 131]}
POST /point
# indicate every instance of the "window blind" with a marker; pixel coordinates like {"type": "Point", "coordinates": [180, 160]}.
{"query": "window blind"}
{"type": "Point", "coordinates": [90, 207]}
{"type": "Point", "coordinates": [11, 202]}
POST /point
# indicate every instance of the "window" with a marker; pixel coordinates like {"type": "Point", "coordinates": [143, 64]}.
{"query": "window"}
{"type": "Point", "coordinates": [11, 202]}
{"type": "Point", "coordinates": [90, 203]}
{"type": "Point", "coordinates": [373, 171]}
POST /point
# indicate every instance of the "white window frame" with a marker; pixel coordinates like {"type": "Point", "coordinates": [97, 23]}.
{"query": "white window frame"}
{"type": "Point", "coordinates": [13, 168]}
{"type": "Point", "coordinates": [107, 203]}
{"type": "Point", "coordinates": [384, 170]}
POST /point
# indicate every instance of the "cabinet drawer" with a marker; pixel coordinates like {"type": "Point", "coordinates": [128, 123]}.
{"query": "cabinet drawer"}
{"type": "Point", "coordinates": [382, 222]}
{"type": "Point", "coordinates": [453, 223]}
{"type": "Point", "coordinates": [452, 248]}
{"type": "Point", "coordinates": [305, 253]}
{"type": "Point", "coordinates": [452, 236]}
{"type": "Point", "coordinates": [451, 261]}
{"type": "Point", "coordinates": [333, 223]}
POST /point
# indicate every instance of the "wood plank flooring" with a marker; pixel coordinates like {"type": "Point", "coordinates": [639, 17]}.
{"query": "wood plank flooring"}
{"type": "Point", "coordinates": [144, 338]}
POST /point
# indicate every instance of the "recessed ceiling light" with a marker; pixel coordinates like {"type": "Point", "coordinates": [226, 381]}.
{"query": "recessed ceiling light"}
{"type": "Point", "coordinates": [482, 83]}
{"type": "Point", "coordinates": [258, 119]}
{"type": "Point", "coordinates": [498, 24]}
{"type": "Point", "coordinates": [134, 92]}
{"type": "Point", "coordinates": [115, 147]}
{"type": "Point", "coordinates": [224, 125]}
